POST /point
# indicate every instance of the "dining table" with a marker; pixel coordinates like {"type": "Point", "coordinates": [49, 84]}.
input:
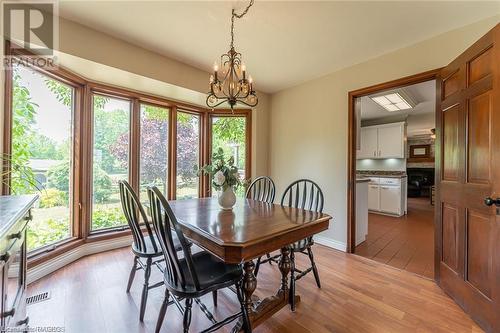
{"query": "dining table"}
{"type": "Point", "coordinates": [251, 229]}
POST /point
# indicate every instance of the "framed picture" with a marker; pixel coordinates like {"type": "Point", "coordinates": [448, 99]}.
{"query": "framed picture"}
{"type": "Point", "coordinates": [420, 151]}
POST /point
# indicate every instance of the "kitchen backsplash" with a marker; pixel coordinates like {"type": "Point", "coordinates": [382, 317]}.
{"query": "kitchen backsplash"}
{"type": "Point", "coordinates": [390, 164]}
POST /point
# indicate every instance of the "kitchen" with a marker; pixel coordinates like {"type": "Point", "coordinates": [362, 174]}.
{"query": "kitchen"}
{"type": "Point", "coordinates": [395, 177]}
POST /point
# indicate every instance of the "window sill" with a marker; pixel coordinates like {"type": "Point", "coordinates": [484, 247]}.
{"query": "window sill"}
{"type": "Point", "coordinates": [46, 253]}
{"type": "Point", "coordinates": [108, 234]}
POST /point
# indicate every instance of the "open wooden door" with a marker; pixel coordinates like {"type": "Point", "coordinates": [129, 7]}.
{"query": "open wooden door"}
{"type": "Point", "coordinates": [468, 175]}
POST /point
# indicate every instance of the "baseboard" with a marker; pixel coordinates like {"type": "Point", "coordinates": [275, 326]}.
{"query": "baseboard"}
{"type": "Point", "coordinates": [334, 244]}
{"type": "Point", "coordinates": [58, 262]}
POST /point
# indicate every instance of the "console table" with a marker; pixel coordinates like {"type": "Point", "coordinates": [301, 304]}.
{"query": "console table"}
{"type": "Point", "coordinates": [15, 213]}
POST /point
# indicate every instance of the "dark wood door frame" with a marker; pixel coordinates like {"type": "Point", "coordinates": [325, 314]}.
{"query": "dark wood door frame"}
{"type": "Point", "coordinates": [352, 133]}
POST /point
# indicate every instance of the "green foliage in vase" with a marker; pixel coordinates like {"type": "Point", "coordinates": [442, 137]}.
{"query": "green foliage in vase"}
{"type": "Point", "coordinates": [222, 171]}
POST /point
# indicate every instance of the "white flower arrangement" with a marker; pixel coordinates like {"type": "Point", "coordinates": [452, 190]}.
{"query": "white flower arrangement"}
{"type": "Point", "coordinates": [223, 172]}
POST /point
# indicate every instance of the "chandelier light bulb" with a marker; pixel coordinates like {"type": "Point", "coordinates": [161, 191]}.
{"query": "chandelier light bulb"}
{"type": "Point", "coordinates": [250, 79]}
{"type": "Point", "coordinates": [216, 66]}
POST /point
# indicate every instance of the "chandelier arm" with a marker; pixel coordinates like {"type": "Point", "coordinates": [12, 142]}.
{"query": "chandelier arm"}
{"type": "Point", "coordinates": [250, 105]}
{"type": "Point", "coordinates": [215, 105]}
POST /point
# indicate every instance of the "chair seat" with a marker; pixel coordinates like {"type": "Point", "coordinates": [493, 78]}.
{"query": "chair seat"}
{"type": "Point", "coordinates": [213, 274]}
{"type": "Point", "coordinates": [150, 250]}
{"type": "Point", "coordinates": [302, 244]}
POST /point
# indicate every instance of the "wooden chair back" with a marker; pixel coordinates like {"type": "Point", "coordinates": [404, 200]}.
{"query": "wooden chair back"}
{"type": "Point", "coordinates": [165, 224]}
{"type": "Point", "coordinates": [134, 212]}
{"type": "Point", "coordinates": [262, 189]}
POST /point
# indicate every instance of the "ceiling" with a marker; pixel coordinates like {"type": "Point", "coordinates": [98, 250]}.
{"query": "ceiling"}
{"type": "Point", "coordinates": [420, 119]}
{"type": "Point", "coordinates": [284, 43]}
{"type": "Point", "coordinates": [424, 94]}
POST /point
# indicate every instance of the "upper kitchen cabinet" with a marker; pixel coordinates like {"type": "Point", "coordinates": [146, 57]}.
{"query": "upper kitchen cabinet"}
{"type": "Point", "coordinates": [368, 144]}
{"type": "Point", "coordinates": [383, 141]}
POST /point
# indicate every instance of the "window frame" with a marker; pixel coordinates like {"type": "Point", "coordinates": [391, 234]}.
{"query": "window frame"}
{"type": "Point", "coordinates": [84, 90]}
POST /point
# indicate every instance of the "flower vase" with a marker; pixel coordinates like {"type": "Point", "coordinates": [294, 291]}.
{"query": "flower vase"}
{"type": "Point", "coordinates": [227, 198]}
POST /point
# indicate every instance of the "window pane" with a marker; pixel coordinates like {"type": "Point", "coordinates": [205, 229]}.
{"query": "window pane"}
{"type": "Point", "coordinates": [42, 154]}
{"type": "Point", "coordinates": [188, 152]}
{"type": "Point", "coordinates": [154, 149]}
{"type": "Point", "coordinates": [111, 160]}
{"type": "Point", "coordinates": [229, 133]}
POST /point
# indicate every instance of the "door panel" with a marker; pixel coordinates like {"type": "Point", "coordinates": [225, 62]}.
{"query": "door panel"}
{"type": "Point", "coordinates": [450, 143]}
{"type": "Point", "coordinates": [479, 264]}
{"type": "Point", "coordinates": [467, 230]}
{"type": "Point", "coordinates": [479, 139]}
{"type": "Point", "coordinates": [481, 66]}
{"type": "Point", "coordinates": [451, 84]}
{"type": "Point", "coordinates": [450, 237]}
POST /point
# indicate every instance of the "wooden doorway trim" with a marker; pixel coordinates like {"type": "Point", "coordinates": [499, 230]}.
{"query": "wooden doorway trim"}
{"type": "Point", "coordinates": [352, 133]}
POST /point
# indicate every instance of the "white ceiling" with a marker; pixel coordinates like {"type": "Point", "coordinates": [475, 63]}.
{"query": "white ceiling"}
{"type": "Point", "coordinates": [420, 119]}
{"type": "Point", "coordinates": [284, 43]}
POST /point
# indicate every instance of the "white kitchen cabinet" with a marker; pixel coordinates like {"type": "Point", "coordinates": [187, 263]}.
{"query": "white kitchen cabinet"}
{"type": "Point", "coordinates": [390, 199]}
{"type": "Point", "coordinates": [391, 141]}
{"type": "Point", "coordinates": [387, 195]}
{"type": "Point", "coordinates": [382, 141]}
{"type": "Point", "coordinates": [373, 197]}
{"type": "Point", "coordinates": [369, 147]}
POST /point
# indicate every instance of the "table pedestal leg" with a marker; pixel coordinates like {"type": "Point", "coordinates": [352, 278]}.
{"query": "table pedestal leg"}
{"type": "Point", "coordinates": [249, 286]}
{"type": "Point", "coordinates": [260, 310]}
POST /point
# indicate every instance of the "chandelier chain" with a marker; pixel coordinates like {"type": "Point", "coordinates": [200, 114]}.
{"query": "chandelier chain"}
{"type": "Point", "coordinates": [234, 14]}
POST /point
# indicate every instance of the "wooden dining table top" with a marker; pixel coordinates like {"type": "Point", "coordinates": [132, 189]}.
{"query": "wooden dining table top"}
{"type": "Point", "coordinates": [251, 229]}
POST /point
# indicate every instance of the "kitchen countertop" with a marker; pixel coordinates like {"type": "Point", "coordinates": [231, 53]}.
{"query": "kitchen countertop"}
{"type": "Point", "coordinates": [362, 179]}
{"type": "Point", "coordinates": [381, 174]}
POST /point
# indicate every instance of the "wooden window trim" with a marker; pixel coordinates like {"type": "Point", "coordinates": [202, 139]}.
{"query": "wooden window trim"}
{"type": "Point", "coordinates": [83, 148]}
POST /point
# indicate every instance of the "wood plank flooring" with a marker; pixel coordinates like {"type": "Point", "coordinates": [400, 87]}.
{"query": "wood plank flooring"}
{"type": "Point", "coordinates": [358, 295]}
{"type": "Point", "coordinates": [406, 242]}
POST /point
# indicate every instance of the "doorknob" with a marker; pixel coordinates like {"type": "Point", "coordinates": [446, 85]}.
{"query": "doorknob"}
{"type": "Point", "coordinates": [490, 202]}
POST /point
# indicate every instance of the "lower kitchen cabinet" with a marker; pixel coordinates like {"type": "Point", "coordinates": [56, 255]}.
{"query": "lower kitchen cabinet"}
{"type": "Point", "coordinates": [387, 195]}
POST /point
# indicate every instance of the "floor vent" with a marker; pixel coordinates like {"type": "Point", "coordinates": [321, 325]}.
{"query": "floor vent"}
{"type": "Point", "coordinates": [38, 298]}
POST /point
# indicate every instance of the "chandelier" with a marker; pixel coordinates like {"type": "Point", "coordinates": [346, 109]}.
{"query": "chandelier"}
{"type": "Point", "coordinates": [230, 82]}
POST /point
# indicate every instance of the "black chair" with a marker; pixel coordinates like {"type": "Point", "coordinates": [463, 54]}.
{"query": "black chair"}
{"type": "Point", "coordinates": [304, 194]}
{"type": "Point", "coordinates": [263, 189]}
{"type": "Point", "coordinates": [193, 275]}
{"type": "Point", "coordinates": [145, 246]}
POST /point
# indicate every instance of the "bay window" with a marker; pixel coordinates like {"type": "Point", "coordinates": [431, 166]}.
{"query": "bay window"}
{"type": "Point", "coordinates": [71, 141]}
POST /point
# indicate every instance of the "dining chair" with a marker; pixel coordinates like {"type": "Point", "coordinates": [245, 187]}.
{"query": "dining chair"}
{"type": "Point", "coordinates": [263, 189]}
{"type": "Point", "coordinates": [303, 194]}
{"type": "Point", "coordinates": [145, 246]}
{"type": "Point", "coordinates": [192, 275]}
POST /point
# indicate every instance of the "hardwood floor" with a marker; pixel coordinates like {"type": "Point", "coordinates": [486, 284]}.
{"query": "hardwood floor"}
{"type": "Point", "coordinates": [358, 295]}
{"type": "Point", "coordinates": [407, 242]}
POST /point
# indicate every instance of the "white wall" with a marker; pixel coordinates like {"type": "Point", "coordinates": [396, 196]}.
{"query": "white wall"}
{"type": "Point", "coordinates": [309, 122]}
